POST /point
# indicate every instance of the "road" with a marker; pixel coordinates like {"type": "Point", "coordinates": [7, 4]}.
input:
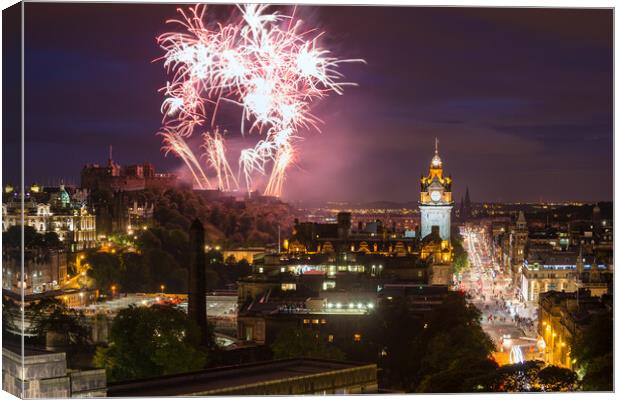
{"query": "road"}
{"type": "Point", "coordinates": [490, 291]}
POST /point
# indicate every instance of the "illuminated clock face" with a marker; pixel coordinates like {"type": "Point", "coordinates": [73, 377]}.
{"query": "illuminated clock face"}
{"type": "Point", "coordinates": [435, 195]}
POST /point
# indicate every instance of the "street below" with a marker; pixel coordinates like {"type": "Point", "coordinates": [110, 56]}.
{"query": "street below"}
{"type": "Point", "coordinates": [507, 321]}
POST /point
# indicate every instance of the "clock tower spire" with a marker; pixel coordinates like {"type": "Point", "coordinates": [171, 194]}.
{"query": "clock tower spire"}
{"type": "Point", "coordinates": [436, 198]}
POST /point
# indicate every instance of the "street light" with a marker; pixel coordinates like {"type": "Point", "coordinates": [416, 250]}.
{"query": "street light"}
{"type": "Point", "coordinates": [162, 287]}
{"type": "Point", "coordinates": [113, 288]}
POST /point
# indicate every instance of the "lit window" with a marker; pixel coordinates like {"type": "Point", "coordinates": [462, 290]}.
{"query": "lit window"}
{"type": "Point", "coordinates": [357, 337]}
{"type": "Point", "coordinates": [306, 321]}
{"type": "Point", "coordinates": [330, 338]}
{"type": "Point", "coordinates": [315, 321]}
{"type": "Point", "coordinates": [323, 321]}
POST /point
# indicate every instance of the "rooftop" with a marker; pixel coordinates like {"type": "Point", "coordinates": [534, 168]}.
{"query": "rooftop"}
{"type": "Point", "coordinates": [246, 378]}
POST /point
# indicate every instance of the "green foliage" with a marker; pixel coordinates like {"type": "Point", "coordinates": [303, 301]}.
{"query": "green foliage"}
{"type": "Point", "coordinates": [557, 379]}
{"type": "Point", "coordinates": [105, 270]}
{"type": "Point", "coordinates": [453, 347]}
{"type": "Point", "coordinates": [154, 341]}
{"type": "Point", "coordinates": [10, 314]}
{"type": "Point", "coordinates": [530, 376]}
{"type": "Point", "coordinates": [460, 260]}
{"type": "Point", "coordinates": [227, 222]}
{"type": "Point", "coordinates": [446, 351]}
{"type": "Point", "coordinates": [136, 275]}
{"type": "Point", "coordinates": [52, 315]}
{"type": "Point", "coordinates": [164, 268]}
{"type": "Point", "coordinates": [593, 352]}
{"type": "Point", "coordinates": [12, 238]}
{"type": "Point", "coordinates": [292, 343]}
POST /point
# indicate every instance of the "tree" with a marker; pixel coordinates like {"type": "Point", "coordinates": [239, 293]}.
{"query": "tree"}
{"type": "Point", "coordinates": [293, 343]}
{"type": "Point", "coordinates": [164, 268]}
{"type": "Point", "coordinates": [460, 260]}
{"type": "Point", "coordinates": [445, 350]}
{"type": "Point", "coordinates": [593, 353]}
{"type": "Point", "coordinates": [50, 315]}
{"type": "Point", "coordinates": [136, 275]}
{"type": "Point", "coordinates": [453, 348]}
{"type": "Point", "coordinates": [10, 314]}
{"type": "Point", "coordinates": [530, 376]}
{"type": "Point", "coordinates": [12, 238]}
{"type": "Point", "coordinates": [153, 341]}
{"type": "Point", "coordinates": [392, 338]}
{"type": "Point", "coordinates": [557, 379]}
{"type": "Point", "coordinates": [105, 270]}
{"type": "Point", "coordinates": [50, 239]}
{"type": "Point", "coordinates": [212, 279]}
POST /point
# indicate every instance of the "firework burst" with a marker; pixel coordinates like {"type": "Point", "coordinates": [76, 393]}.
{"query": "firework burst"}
{"type": "Point", "coordinates": [261, 62]}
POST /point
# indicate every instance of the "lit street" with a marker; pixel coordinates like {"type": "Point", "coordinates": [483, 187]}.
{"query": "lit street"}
{"type": "Point", "coordinates": [490, 291]}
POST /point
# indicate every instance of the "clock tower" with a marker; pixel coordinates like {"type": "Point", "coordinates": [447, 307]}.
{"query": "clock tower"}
{"type": "Point", "coordinates": [436, 199]}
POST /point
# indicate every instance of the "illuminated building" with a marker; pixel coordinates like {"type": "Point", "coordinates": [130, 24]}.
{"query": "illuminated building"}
{"type": "Point", "coordinates": [436, 199]}
{"type": "Point", "coordinates": [342, 315]}
{"type": "Point", "coordinates": [562, 317]}
{"type": "Point", "coordinates": [435, 209]}
{"type": "Point", "coordinates": [244, 253]}
{"type": "Point", "coordinates": [438, 253]}
{"type": "Point", "coordinates": [595, 233]}
{"type": "Point", "coordinates": [518, 240]}
{"type": "Point", "coordinates": [114, 177]}
{"type": "Point", "coordinates": [340, 241]}
{"type": "Point", "coordinates": [52, 210]}
{"type": "Point", "coordinates": [140, 215]}
{"type": "Point", "coordinates": [557, 271]}
{"type": "Point", "coordinates": [44, 269]}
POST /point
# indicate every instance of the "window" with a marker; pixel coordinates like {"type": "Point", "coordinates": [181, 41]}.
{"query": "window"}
{"type": "Point", "coordinates": [357, 337]}
{"type": "Point", "coordinates": [323, 322]}
{"type": "Point", "coordinates": [288, 286]}
{"type": "Point", "coordinates": [330, 338]}
{"type": "Point", "coordinates": [306, 321]}
{"type": "Point", "coordinates": [249, 333]}
{"type": "Point", "coordinates": [315, 321]}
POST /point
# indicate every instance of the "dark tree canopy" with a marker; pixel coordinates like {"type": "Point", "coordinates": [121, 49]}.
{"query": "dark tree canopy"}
{"type": "Point", "coordinates": [50, 315]}
{"type": "Point", "coordinates": [444, 351]}
{"type": "Point", "coordinates": [593, 353]}
{"type": "Point", "coordinates": [151, 341]}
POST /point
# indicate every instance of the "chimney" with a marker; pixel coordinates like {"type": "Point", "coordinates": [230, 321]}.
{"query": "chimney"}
{"type": "Point", "coordinates": [197, 298]}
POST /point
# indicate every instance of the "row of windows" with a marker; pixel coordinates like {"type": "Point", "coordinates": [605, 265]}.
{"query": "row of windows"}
{"type": "Point", "coordinates": [314, 321]}
{"type": "Point", "coordinates": [357, 337]}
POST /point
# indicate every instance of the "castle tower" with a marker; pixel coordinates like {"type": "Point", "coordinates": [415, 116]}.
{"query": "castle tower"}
{"type": "Point", "coordinates": [197, 297]}
{"type": "Point", "coordinates": [436, 198]}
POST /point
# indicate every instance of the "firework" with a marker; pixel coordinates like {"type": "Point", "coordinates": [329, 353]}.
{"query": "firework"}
{"type": "Point", "coordinates": [261, 62]}
{"type": "Point", "coordinates": [215, 151]}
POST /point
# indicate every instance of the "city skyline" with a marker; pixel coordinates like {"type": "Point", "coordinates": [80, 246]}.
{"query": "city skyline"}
{"type": "Point", "coordinates": [284, 200]}
{"type": "Point", "coordinates": [514, 95]}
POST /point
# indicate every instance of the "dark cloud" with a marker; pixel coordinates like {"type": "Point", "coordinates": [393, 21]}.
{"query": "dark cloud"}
{"type": "Point", "coordinates": [521, 99]}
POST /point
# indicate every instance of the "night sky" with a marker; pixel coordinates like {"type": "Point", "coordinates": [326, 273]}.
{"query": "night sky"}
{"type": "Point", "coordinates": [520, 99]}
